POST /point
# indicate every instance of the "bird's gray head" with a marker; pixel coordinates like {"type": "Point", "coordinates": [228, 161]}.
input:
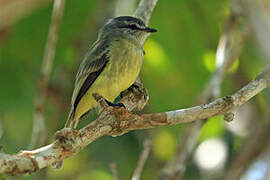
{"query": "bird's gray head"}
{"type": "Point", "coordinates": [126, 27]}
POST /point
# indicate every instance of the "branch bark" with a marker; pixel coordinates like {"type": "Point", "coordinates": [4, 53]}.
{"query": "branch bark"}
{"type": "Point", "coordinates": [256, 12]}
{"type": "Point", "coordinates": [131, 100]}
{"type": "Point", "coordinates": [227, 52]}
{"type": "Point", "coordinates": [258, 141]}
{"type": "Point", "coordinates": [116, 121]}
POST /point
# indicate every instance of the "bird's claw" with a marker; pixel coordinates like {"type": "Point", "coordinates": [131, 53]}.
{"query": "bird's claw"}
{"type": "Point", "coordinates": [115, 104]}
{"type": "Point", "coordinates": [66, 134]}
{"type": "Point", "coordinates": [139, 90]}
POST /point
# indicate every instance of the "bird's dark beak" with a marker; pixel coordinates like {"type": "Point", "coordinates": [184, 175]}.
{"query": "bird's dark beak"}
{"type": "Point", "coordinates": [150, 30]}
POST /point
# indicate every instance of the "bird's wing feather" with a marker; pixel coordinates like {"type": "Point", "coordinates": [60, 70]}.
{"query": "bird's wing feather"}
{"type": "Point", "coordinates": [91, 67]}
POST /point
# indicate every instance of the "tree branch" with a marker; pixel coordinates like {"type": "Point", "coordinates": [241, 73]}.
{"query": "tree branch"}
{"type": "Point", "coordinates": [132, 100]}
{"type": "Point", "coordinates": [258, 16]}
{"type": "Point", "coordinates": [116, 121]}
{"type": "Point", "coordinates": [227, 52]}
{"type": "Point", "coordinates": [39, 130]}
{"type": "Point", "coordinates": [258, 140]}
{"type": "Point", "coordinates": [10, 13]}
{"type": "Point", "coordinates": [113, 168]}
{"type": "Point", "coordinates": [143, 157]}
{"type": "Point", "coordinates": [257, 143]}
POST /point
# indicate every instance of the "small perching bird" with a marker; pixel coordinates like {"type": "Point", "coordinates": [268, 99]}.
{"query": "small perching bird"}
{"type": "Point", "coordinates": [110, 66]}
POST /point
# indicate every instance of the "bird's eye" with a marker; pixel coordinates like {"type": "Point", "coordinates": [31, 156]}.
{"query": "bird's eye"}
{"type": "Point", "coordinates": [133, 26]}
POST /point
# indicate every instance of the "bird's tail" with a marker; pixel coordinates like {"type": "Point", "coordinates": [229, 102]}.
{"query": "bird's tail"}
{"type": "Point", "coordinates": [71, 121]}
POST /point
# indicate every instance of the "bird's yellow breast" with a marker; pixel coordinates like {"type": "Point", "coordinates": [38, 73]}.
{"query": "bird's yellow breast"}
{"type": "Point", "coordinates": [119, 74]}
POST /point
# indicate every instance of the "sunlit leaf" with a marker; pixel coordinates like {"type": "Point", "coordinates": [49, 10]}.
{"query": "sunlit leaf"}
{"type": "Point", "coordinates": [210, 64]}
{"type": "Point", "coordinates": [164, 145]}
{"type": "Point", "coordinates": [209, 60]}
{"type": "Point", "coordinates": [96, 175]}
{"type": "Point", "coordinates": [214, 127]}
{"type": "Point", "coordinates": [155, 55]}
{"type": "Point", "coordinates": [234, 66]}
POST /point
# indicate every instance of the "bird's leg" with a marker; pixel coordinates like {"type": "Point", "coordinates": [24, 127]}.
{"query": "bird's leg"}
{"type": "Point", "coordinates": [135, 86]}
{"type": "Point", "coordinates": [135, 97]}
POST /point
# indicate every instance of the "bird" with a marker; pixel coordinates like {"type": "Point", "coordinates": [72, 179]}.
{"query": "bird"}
{"type": "Point", "coordinates": [110, 66]}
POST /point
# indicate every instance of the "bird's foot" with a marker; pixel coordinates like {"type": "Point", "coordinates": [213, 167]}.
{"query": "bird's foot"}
{"type": "Point", "coordinates": [115, 104]}
{"type": "Point", "coordinates": [104, 103]}
{"type": "Point", "coordinates": [138, 90]}
{"type": "Point", "coordinates": [66, 137]}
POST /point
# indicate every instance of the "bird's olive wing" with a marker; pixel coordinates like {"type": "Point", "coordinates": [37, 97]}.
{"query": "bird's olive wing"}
{"type": "Point", "coordinates": [88, 72]}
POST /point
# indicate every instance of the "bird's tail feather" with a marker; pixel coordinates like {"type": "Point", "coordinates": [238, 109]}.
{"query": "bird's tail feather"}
{"type": "Point", "coordinates": [71, 121]}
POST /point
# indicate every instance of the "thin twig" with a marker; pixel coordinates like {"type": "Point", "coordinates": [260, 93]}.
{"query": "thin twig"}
{"type": "Point", "coordinates": [227, 53]}
{"type": "Point", "coordinates": [116, 121]}
{"type": "Point", "coordinates": [256, 144]}
{"type": "Point", "coordinates": [39, 129]}
{"type": "Point", "coordinates": [258, 16]}
{"type": "Point", "coordinates": [143, 157]}
{"type": "Point", "coordinates": [131, 100]}
{"type": "Point", "coordinates": [124, 7]}
{"type": "Point", "coordinates": [258, 140]}
{"type": "Point", "coordinates": [10, 13]}
{"type": "Point", "coordinates": [1, 130]}
{"type": "Point", "coordinates": [113, 168]}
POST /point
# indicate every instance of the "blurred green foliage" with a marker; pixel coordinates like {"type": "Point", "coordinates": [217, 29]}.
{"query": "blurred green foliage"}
{"type": "Point", "coordinates": [179, 60]}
